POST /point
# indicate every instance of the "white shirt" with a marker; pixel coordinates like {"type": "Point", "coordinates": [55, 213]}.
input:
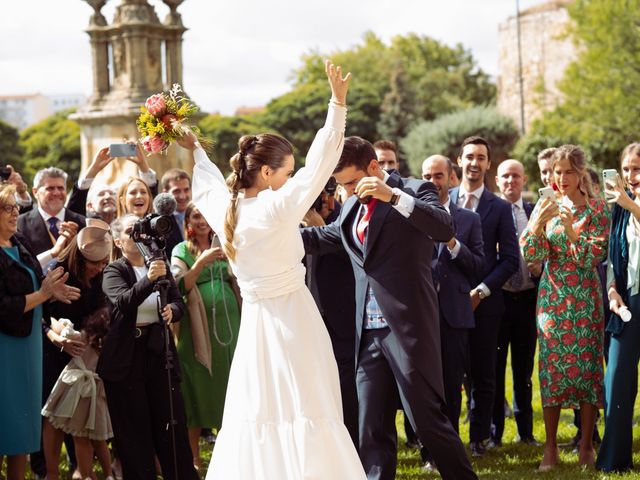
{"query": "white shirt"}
{"type": "Point", "coordinates": [456, 248]}
{"type": "Point", "coordinates": [147, 310]}
{"type": "Point", "coordinates": [462, 196]}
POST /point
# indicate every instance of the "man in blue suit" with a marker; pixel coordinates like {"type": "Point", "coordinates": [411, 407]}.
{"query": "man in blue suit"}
{"type": "Point", "coordinates": [518, 326]}
{"type": "Point", "coordinates": [389, 236]}
{"type": "Point", "coordinates": [454, 265]}
{"type": "Point", "coordinates": [498, 235]}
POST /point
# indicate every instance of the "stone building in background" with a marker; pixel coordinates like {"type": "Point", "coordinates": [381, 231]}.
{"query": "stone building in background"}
{"type": "Point", "coordinates": [132, 58]}
{"type": "Point", "coordinates": [546, 53]}
{"type": "Point", "coordinates": [22, 111]}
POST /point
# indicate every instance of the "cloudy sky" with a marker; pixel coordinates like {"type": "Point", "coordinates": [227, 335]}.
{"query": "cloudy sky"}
{"type": "Point", "coordinates": [239, 52]}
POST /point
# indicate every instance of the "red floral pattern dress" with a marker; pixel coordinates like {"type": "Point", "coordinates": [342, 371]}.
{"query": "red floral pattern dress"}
{"type": "Point", "coordinates": [569, 311]}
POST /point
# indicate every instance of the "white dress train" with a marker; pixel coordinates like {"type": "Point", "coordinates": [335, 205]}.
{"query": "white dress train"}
{"type": "Point", "coordinates": [283, 414]}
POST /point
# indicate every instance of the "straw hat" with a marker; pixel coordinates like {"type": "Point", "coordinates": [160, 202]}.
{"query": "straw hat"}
{"type": "Point", "coordinates": [94, 240]}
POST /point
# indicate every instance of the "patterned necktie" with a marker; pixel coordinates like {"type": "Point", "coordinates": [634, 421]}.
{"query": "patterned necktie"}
{"type": "Point", "coordinates": [361, 229]}
{"type": "Point", "coordinates": [468, 201]}
{"type": "Point", "coordinates": [516, 281]}
{"type": "Point", "coordinates": [53, 227]}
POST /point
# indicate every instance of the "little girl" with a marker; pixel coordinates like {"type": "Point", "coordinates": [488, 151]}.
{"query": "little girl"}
{"type": "Point", "coordinates": [77, 404]}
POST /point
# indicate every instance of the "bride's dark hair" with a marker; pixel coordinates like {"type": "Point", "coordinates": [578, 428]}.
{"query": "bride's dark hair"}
{"type": "Point", "coordinates": [254, 152]}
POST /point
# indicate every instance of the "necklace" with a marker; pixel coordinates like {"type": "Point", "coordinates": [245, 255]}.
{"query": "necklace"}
{"type": "Point", "coordinates": [213, 308]}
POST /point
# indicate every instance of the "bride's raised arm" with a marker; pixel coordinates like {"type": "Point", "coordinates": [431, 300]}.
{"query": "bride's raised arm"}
{"type": "Point", "coordinates": [293, 200]}
{"type": "Point", "coordinates": [209, 188]}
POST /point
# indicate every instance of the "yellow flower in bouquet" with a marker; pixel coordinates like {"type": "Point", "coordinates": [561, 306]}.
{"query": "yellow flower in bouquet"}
{"type": "Point", "coordinates": [162, 118]}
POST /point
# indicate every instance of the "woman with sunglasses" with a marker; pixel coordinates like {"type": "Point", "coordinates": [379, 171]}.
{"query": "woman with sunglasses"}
{"type": "Point", "coordinates": [24, 295]}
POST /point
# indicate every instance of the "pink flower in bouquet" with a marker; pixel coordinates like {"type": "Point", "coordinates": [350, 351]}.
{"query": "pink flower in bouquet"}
{"type": "Point", "coordinates": [156, 105]}
{"type": "Point", "coordinates": [168, 120]}
{"type": "Point", "coordinates": [154, 144]}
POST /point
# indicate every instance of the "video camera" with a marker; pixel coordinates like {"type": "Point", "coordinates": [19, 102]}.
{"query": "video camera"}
{"type": "Point", "coordinates": [329, 190]}
{"type": "Point", "coordinates": [150, 233]}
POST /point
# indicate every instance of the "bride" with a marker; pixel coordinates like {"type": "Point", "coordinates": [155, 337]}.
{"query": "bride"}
{"type": "Point", "coordinates": [283, 415]}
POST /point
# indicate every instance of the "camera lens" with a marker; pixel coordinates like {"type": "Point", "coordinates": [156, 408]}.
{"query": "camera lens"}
{"type": "Point", "coordinates": [161, 225]}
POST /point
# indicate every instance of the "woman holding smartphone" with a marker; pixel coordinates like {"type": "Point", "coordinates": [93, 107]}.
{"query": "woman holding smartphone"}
{"type": "Point", "coordinates": [572, 239]}
{"type": "Point", "coordinates": [623, 285]}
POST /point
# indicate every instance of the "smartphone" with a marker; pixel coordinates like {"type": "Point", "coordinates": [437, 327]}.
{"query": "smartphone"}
{"type": "Point", "coordinates": [609, 174]}
{"type": "Point", "coordinates": [122, 150]}
{"type": "Point", "coordinates": [547, 192]}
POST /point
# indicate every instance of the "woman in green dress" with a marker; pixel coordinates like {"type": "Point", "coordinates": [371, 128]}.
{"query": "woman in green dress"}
{"type": "Point", "coordinates": [208, 333]}
{"type": "Point", "coordinates": [572, 239]}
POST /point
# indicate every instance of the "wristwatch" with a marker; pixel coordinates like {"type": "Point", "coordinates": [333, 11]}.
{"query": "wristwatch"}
{"type": "Point", "coordinates": [395, 198]}
{"type": "Point", "coordinates": [481, 293]}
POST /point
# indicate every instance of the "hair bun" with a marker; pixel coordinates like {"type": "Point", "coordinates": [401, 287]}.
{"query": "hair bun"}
{"type": "Point", "coordinates": [246, 143]}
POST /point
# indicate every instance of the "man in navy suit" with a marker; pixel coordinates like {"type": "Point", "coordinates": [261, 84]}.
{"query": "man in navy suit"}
{"type": "Point", "coordinates": [389, 239]}
{"type": "Point", "coordinates": [518, 326]}
{"type": "Point", "coordinates": [42, 226]}
{"type": "Point", "coordinates": [498, 235]}
{"type": "Point", "coordinates": [454, 266]}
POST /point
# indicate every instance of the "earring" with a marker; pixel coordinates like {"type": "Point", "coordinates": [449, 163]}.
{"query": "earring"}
{"type": "Point", "coordinates": [190, 232]}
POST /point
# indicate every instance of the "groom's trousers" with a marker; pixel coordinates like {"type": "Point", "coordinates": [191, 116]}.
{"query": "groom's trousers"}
{"type": "Point", "coordinates": [383, 371]}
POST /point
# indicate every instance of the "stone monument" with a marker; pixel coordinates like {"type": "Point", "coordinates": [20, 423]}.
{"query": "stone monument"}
{"type": "Point", "coordinates": [546, 52]}
{"type": "Point", "coordinates": [133, 57]}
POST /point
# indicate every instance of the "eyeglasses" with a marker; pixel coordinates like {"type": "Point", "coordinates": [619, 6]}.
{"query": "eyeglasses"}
{"type": "Point", "coordinates": [11, 208]}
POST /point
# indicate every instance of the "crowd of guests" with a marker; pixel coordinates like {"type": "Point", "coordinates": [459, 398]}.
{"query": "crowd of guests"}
{"type": "Point", "coordinates": [94, 351]}
{"type": "Point", "coordinates": [82, 337]}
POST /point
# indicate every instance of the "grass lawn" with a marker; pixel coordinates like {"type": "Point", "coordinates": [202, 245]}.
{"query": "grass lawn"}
{"type": "Point", "coordinates": [512, 461]}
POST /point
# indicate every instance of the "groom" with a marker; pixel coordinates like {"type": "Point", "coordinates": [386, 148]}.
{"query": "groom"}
{"type": "Point", "coordinates": [390, 241]}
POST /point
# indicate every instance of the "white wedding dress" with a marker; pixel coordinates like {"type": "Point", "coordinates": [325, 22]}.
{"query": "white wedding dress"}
{"type": "Point", "coordinates": [283, 414]}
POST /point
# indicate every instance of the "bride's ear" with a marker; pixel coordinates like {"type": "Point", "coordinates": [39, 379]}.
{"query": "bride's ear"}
{"type": "Point", "coordinates": [266, 172]}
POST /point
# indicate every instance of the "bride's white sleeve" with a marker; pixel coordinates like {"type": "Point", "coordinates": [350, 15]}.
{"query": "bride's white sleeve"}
{"type": "Point", "coordinates": [295, 198]}
{"type": "Point", "coordinates": [210, 192]}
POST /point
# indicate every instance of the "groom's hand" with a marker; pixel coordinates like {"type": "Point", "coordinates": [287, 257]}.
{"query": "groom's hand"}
{"type": "Point", "coordinates": [374, 187]}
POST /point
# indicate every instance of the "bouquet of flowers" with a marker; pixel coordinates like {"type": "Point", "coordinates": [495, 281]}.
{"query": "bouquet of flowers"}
{"type": "Point", "coordinates": [162, 118]}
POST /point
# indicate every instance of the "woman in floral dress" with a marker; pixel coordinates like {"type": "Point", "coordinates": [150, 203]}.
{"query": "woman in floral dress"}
{"type": "Point", "coordinates": [572, 239]}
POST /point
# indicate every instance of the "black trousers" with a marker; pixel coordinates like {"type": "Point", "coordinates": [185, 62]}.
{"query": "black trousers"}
{"type": "Point", "coordinates": [455, 362]}
{"type": "Point", "coordinates": [384, 370]}
{"type": "Point", "coordinates": [139, 408]}
{"type": "Point", "coordinates": [518, 329]}
{"type": "Point", "coordinates": [344, 351]}
{"type": "Point", "coordinates": [483, 344]}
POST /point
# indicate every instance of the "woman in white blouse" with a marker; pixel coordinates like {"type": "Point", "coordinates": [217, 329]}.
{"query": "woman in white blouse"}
{"type": "Point", "coordinates": [623, 285]}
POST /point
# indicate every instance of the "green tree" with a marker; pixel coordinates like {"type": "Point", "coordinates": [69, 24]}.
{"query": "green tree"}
{"type": "Point", "coordinates": [601, 98]}
{"type": "Point", "coordinates": [527, 150]}
{"type": "Point", "coordinates": [411, 79]}
{"type": "Point", "coordinates": [11, 151]}
{"type": "Point", "coordinates": [397, 112]}
{"type": "Point", "coordinates": [445, 134]}
{"type": "Point", "coordinates": [55, 141]}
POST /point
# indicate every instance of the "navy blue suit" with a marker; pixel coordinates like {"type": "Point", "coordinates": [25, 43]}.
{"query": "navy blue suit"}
{"type": "Point", "coordinates": [518, 329]}
{"type": "Point", "coordinates": [498, 234]}
{"type": "Point", "coordinates": [454, 281]}
{"type": "Point", "coordinates": [395, 261]}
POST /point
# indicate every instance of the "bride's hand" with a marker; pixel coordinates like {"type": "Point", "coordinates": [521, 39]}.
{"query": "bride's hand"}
{"type": "Point", "coordinates": [339, 85]}
{"type": "Point", "coordinates": [188, 140]}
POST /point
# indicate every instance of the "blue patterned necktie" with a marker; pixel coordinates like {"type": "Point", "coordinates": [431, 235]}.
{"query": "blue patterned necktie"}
{"type": "Point", "coordinates": [53, 227]}
{"type": "Point", "coordinates": [516, 281]}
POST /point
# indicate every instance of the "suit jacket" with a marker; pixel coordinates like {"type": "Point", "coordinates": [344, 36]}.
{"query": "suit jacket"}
{"type": "Point", "coordinates": [124, 294]}
{"type": "Point", "coordinates": [35, 231]}
{"type": "Point", "coordinates": [333, 287]}
{"type": "Point", "coordinates": [498, 235]}
{"type": "Point", "coordinates": [396, 262]}
{"type": "Point", "coordinates": [455, 277]}
{"type": "Point", "coordinates": [15, 284]}
{"type": "Point", "coordinates": [174, 237]}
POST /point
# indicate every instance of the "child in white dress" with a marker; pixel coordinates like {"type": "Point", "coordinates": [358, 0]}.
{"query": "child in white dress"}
{"type": "Point", "coordinates": [77, 404]}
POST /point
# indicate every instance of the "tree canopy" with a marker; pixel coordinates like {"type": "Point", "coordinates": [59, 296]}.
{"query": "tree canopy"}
{"type": "Point", "coordinates": [601, 98]}
{"type": "Point", "coordinates": [55, 141]}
